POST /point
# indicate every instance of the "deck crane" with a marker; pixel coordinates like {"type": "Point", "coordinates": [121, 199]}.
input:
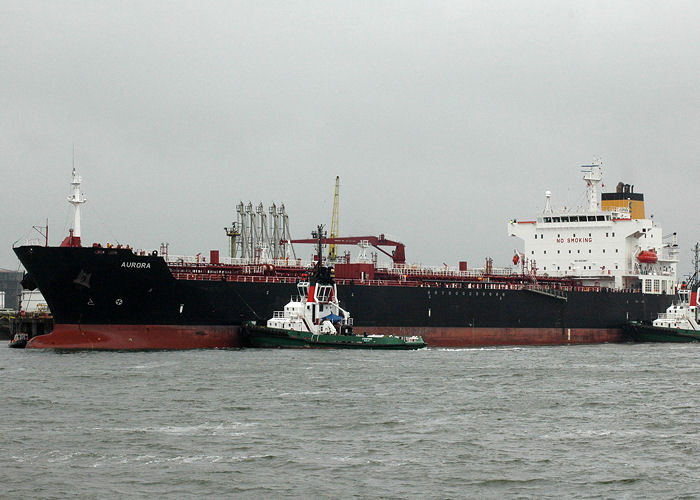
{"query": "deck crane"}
{"type": "Point", "coordinates": [398, 256]}
{"type": "Point", "coordinates": [335, 220]}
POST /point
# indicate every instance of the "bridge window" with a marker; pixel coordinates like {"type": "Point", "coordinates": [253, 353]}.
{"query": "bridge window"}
{"type": "Point", "coordinates": [323, 293]}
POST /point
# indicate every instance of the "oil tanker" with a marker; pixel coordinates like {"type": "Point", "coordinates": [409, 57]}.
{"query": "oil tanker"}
{"type": "Point", "coordinates": [582, 274]}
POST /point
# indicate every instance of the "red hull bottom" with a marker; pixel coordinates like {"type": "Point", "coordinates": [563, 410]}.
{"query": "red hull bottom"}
{"type": "Point", "coordinates": [139, 337]}
{"type": "Point", "coordinates": [484, 337]}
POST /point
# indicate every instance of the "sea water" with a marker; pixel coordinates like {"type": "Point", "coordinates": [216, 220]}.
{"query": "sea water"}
{"type": "Point", "coordinates": [603, 421]}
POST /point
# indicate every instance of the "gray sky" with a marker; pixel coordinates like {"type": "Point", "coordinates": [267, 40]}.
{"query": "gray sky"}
{"type": "Point", "coordinates": [443, 119]}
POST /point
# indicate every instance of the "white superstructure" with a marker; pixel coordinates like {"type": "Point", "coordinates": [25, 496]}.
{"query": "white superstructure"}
{"type": "Point", "coordinates": [682, 315]}
{"type": "Point", "coordinates": [608, 244]}
{"type": "Point", "coordinates": [315, 310]}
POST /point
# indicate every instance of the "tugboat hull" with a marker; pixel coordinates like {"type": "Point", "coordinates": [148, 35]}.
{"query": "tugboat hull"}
{"type": "Point", "coordinates": [259, 336]}
{"type": "Point", "coordinates": [643, 332]}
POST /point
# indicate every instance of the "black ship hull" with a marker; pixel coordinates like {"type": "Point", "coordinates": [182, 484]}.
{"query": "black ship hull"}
{"type": "Point", "coordinates": [111, 298]}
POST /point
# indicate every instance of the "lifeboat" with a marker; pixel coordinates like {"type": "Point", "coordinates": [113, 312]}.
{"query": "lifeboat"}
{"type": "Point", "coordinates": [647, 257]}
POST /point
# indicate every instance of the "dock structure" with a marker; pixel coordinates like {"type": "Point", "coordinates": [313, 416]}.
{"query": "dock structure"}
{"type": "Point", "coordinates": [32, 324]}
{"type": "Point", "coordinates": [31, 317]}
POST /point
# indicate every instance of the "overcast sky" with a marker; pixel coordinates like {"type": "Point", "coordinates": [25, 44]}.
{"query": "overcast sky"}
{"type": "Point", "coordinates": [443, 119]}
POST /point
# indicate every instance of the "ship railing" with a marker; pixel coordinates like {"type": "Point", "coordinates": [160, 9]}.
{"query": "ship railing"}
{"type": "Point", "coordinates": [238, 278]}
{"type": "Point", "coordinates": [30, 242]}
{"type": "Point", "coordinates": [667, 316]}
{"type": "Point", "coordinates": [228, 261]}
{"type": "Point", "coordinates": [465, 286]}
{"type": "Point", "coordinates": [414, 270]}
{"type": "Point", "coordinates": [278, 315]}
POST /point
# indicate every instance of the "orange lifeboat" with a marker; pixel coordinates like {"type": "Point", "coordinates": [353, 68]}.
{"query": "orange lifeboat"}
{"type": "Point", "coordinates": [647, 257]}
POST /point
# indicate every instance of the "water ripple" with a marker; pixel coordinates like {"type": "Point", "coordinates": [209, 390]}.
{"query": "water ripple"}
{"type": "Point", "coordinates": [612, 421]}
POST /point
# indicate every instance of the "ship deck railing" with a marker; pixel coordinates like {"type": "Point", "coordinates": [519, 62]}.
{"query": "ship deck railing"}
{"type": "Point", "coordinates": [448, 272]}
{"type": "Point", "coordinates": [253, 265]}
{"type": "Point", "coordinates": [459, 285]}
{"type": "Point", "coordinates": [188, 260]}
{"type": "Point", "coordinates": [675, 315]}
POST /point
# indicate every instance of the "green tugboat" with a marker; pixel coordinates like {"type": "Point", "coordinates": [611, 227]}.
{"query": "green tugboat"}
{"type": "Point", "coordinates": [314, 319]}
{"type": "Point", "coordinates": [678, 324]}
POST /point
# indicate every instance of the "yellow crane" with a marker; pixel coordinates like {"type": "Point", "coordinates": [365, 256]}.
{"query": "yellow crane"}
{"type": "Point", "coordinates": [335, 222]}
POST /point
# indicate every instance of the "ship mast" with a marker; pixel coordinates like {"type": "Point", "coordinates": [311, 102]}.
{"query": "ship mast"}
{"type": "Point", "coordinates": [76, 199]}
{"type": "Point", "coordinates": [319, 234]}
{"type": "Point", "coordinates": [592, 177]}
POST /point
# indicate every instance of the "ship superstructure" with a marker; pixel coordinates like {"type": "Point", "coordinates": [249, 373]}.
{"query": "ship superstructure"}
{"type": "Point", "coordinates": [608, 244]}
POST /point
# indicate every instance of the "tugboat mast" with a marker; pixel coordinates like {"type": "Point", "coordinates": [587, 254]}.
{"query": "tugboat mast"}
{"type": "Point", "coordinates": [319, 234]}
